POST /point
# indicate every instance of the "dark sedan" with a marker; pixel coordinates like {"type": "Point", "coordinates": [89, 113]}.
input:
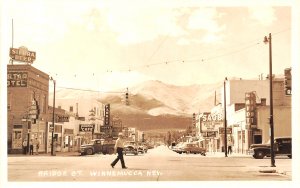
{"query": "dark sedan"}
{"type": "Point", "coordinates": [130, 148]}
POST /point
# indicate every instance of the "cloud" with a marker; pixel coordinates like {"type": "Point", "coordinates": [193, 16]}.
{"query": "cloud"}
{"type": "Point", "coordinates": [264, 15]}
{"type": "Point", "coordinates": [140, 24]}
{"type": "Point", "coordinates": [205, 18]}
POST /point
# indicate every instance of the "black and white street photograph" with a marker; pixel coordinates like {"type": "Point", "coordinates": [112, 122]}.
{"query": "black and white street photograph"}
{"type": "Point", "coordinates": [158, 93]}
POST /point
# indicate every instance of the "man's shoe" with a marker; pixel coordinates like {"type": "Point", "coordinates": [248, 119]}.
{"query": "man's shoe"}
{"type": "Point", "coordinates": [112, 165]}
{"type": "Point", "coordinates": [124, 167]}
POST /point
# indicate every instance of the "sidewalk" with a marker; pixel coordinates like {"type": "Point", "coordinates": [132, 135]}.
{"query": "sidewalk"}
{"type": "Point", "coordinates": [60, 154]}
{"type": "Point", "coordinates": [279, 169]}
{"type": "Point", "coordinates": [222, 154]}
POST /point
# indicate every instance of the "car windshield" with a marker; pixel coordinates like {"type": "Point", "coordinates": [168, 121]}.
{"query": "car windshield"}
{"type": "Point", "coordinates": [92, 142]}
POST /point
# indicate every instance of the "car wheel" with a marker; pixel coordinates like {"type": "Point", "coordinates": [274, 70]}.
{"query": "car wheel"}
{"type": "Point", "coordinates": [110, 151]}
{"type": "Point", "coordinates": [259, 155]}
{"type": "Point", "coordinates": [89, 151]}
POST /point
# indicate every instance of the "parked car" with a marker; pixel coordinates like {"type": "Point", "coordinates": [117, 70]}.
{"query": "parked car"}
{"type": "Point", "coordinates": [97, 146]}
{"type": "Point", "coordinates": [130, 147]}
{"type": "Point", "coordinates": [142, 148]}
{"type": "Point", "coordinates": [177, 147]}
{"type": "Point", "coordinates": [192, 148]}
{"type": "Point", "coordinates": [282, 147]}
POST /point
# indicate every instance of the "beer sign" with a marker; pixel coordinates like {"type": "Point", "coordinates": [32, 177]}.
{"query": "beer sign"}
{"type": "Point", "coordinates": [22, 54]}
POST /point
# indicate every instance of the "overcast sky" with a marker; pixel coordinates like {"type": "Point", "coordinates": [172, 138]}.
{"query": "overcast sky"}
{"type": "Point", "coordinates": [105, 45]}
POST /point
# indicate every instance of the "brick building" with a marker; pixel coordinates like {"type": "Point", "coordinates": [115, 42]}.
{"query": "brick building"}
{"type": "Point", "coordinates": [27, 100]}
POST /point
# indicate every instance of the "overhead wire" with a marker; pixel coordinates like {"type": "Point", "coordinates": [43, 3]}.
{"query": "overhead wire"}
{"type": "Point", "coordinates": [254, 42]}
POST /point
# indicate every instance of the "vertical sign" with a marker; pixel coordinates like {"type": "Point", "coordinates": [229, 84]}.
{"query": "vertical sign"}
{"type": "Point", "coordinates": [194, 120]}
{"type": "Point", "coordinates": [250, 106]}
{"type": "Point", "coordinates": [288, 81]}
{"type": "Point", "coordinates": [107, 114]}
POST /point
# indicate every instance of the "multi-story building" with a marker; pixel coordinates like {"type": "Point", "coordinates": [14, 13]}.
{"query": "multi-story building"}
{"type": "Point", "coordinates": [247, 112]}
{"type": "Point", "coordinates": [27, 106]}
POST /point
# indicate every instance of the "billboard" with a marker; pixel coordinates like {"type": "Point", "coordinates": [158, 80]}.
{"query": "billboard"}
{"type": "Point", "coordinates": [210, 122]}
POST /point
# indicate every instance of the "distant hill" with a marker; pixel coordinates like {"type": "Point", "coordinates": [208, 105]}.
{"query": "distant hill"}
{"type": "Point", "coordinates": [152, 104]}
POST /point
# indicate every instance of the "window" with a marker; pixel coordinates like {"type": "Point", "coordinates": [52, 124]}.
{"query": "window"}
{"type": "Point", "coordinates": [57, 128]}
{"type": "Point", "coordinates": [9, 97]}
{"type": "Point", "coordinates": [42, 106]}
{"type": "Point", "coordinates": [17, 139]}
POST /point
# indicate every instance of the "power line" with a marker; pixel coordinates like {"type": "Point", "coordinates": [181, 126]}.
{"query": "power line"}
{"type": "Point", "coordinates": [90, 90]}
{"type": "Point", "coordinates": [253, 42]}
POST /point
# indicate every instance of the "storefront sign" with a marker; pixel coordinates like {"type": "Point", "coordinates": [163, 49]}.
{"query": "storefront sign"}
{"type": "Point", "coordinates": [107, 114]}
{"type": "Point", "coordinates": [104, 128]}
{"type": "Point", "coordinates": [86, 127]}
{"type": "Point", "coordinates": [210, 122]}
{"type": "Point", "coordinates": [250, 105]}
{"type": "Point", "coordinates": [69, 131]}
{"type": "Point", "coordinates": [22, 54]}
{"type": "Point", "coordinates": [17, 79]}
{"type": "Point", "coordinates": [210, 134]}
{"type": "Point", "coordinates": [222, 130]}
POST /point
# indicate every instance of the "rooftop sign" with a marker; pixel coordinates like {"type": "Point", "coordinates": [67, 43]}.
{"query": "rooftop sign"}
{"type": "Point", "coordinates": [22, 54]}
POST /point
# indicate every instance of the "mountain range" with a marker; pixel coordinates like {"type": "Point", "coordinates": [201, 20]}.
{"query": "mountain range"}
{"type": "Point", "coordinates": [152, 104]}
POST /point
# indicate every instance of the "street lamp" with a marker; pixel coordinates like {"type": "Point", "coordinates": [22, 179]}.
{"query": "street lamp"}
{"type": "Point", "coordinates": [225, 119]}
{"type": "Point", "coordinates": [52, 130]}
{"type": "Point", "coordinates": [269, 40]}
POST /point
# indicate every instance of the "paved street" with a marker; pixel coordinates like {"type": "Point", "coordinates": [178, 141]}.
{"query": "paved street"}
{"type": "Point", "coordinates": [159, 164]}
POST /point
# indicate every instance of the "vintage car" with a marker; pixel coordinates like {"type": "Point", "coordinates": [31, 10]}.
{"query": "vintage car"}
{"type": "Point", "coordinates": [142, 148]}
{"type": "Point", "coordinates": [177, 147]}
{"type": "Point", "coordinates": [97, 146]}
{"type": "Point", "coordinates": [282, 147]}
{"type": "Point", "coordinates": [191, 148]}
{"type": "Point", "coordinates": [130, 147]}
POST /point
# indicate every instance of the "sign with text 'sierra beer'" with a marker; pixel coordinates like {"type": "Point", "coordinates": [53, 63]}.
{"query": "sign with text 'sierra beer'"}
{"type": "Point", "coordinates": [22, 54]}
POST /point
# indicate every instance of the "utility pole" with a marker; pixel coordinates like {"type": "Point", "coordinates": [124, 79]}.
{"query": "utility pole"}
{"type": "Point", "coordinates": [53, 119]}
{"type": "Point", "coordinates": [225, 119]}
{"type": "Point", "coordinates": [269, 40]}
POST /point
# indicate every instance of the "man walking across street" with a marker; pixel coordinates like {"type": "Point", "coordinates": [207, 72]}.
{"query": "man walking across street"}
{"type": "Point", "coordinates": [119, 146]}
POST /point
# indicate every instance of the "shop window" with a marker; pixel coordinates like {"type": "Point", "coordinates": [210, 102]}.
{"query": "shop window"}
{"type": "Point", "coordinates": [17, 139]}
{"type": "Point", "coordinates": [58, 128]}
{"type": "Point", "coordinates": [257, 139]}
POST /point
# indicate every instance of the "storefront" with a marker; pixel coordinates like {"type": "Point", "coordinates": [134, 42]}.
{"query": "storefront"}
{"type": "Point", "coordinates": [57, 137]}
{"type": "Point", "coordinates": [68, 140]}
